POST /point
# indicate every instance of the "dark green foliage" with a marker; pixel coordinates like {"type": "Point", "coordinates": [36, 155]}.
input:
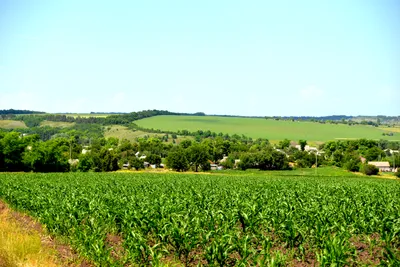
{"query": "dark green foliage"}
{"type": "Point", "coordinates": [374, 153]}
{"type": "Point", "coordinates": [108, 160]}
{"type": "Point", "coordinates": [369, 169]}
{"type": "Point", "coordinates": [104, 161]}
{"type": "Point", "coordinates": [154, 159]}
{"type": "Point", "coordinates": [198, 156]}
{"type": "Point", "coordinates": [397, 174]}
{"type": "Point", "coordinates": [50, 156]}
{"type": "Point", "coordinates": [352, 162]}
{"type": "Point", "coordinates": [247, 161]}
{"type": "Point", "coordinates": [352, 166]}
{"type": "Point", "coordinates": [284, 144]}
{"type": "Point", "coordinates": [185, 143]}
{"type": "Point", "coordinates": [265, 160]}
{"type": "Point", "coordinates": [31, 121]}
{"type": "Point", "coordinates": [19, 111]}
{"type": "Point", "coordinates": [304, 159]}
{"type": "Point", "coordinates": [136, 163]}
{"type": "Point", "coordinates": [13, 145]}
{"type": "Point", "coordinates": [177, 160]}
{"type": "Point", "coordinates": [302, 144]}
{"type": "Point", "coordinates": [45, 133]}
{"type": "Point", "coordinates": [85, 163]}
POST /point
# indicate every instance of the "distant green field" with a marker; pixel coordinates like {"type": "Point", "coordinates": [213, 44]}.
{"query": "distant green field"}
{"type": "Point", "coordinates": [262, 128]}
{"type": "Point", "coordinates": [10, 124]}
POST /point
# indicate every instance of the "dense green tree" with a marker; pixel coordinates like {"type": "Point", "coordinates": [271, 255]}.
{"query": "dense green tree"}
{"type": "Point", "coordinates": [369, 169]}
{"type": "Point", "coordinates": [177, 160]}
{"type": "Point", "coordinates": [374, 153]}
{"type": "Point", "coordinates": [303, 159]}
{"type": "Point", "coordinates": [154, 159]}
{"type": "Point", "coordinates": [185, 143]}
{"type": "Point", "coordinates": [13, 145]}
{"type": "Point", "coordinates": [126, 145]}
{"type": "Point", "coordinates": [136, 163]}
{"type": "Point", "coordinates": [337, 158]}
{"type": "Point", "coordinates": [1, 152]}
{"type": "Point", "coordinates": [302, 144]}
{"type": "Point", "coordinates": [352, 162]}
{"type": "Point", "coordinates": [112, 142]}
{"type": "Point", "coordinates": [247, 161]}
{"type": "Point", "coordinates": [49, 156]}
{"type": "Point", "coordinates": [108, 160]}
{"type": "Point", "coordinates": [85, 163]}
{"type": "Point", "coordinates": [198, 156]}
{"type": "Point", "coordinates": [284, 144]}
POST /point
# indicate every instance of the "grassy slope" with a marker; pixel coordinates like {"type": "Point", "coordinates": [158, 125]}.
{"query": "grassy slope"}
{"type": "Point", "coordinates": [262, 128]}
{"type": "Point", "coordinates": [122, 132]}
{"type": "Point", "coordinates": [10, 124]}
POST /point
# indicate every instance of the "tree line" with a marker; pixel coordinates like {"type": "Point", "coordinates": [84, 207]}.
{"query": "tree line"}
{"type": "Point", "coordinates": [80, 149]}
{"type": "Point", "coordinates": [32, 120]}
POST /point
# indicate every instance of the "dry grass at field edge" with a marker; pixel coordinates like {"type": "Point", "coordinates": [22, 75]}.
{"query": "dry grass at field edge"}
{"type": "Point", "coordinates": [24, 242]}
{"type": "Point", "coordinates": [123, 132]}
{"type": "Point", "coordinates": [10, 124]}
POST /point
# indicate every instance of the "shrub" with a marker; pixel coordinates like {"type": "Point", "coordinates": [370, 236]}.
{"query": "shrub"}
{"type": "Point", "coordinates": [136, 163]}
{"type": "Point", "coordinates": [352, 166]}
{"type": "Point", "coordinates": [154, 159]}
{"type": "Point", "coordinates": [397, 174]}
{"type": "Point", "coordinates": [369, 169]}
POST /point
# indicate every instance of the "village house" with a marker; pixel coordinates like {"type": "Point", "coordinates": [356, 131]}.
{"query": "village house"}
{"type": "Point", "coordinates": [307, 148]}
{"type": "Point", "coordinates": [213, 166]}
{"type": "Point", "coordinates": [383, 166]}
{"type": "Point", "coordinates": [126, 166]}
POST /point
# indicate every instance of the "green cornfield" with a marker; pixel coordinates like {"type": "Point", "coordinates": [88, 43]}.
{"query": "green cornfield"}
{"type": "Point", "coordinates": [258, 219]}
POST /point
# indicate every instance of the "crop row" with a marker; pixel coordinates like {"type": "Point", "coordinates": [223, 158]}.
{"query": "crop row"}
{"type": "Point", "coordinates": [151, 219]}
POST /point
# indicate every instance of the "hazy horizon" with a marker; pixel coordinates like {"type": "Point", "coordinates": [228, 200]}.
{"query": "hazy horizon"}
{"type": "Point", "coordinates": [258, 58]}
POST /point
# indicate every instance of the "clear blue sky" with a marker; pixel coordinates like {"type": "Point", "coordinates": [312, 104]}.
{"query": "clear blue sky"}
{"type": "Point", "coordinates": [220, 57]}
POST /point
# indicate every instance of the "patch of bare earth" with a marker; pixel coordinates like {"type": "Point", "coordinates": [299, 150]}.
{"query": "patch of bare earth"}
{"type": "Point", "coordinates": [114, 243]}
{"type": "Point", "coordinates": [66, 256]}
{"type": "Point", "coordinates": [369, 249]}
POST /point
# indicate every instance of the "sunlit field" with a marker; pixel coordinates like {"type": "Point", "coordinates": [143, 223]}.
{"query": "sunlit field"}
{"type": "Point", "coordinates": [246, 218]}
{"type": "Point", "coordinates": [270, 129]}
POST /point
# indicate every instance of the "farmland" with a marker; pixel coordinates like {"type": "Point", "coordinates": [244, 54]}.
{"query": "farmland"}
{"type": "Point", "coordinates": [10, 124]}
{"type": "Point", "coordinates": [270, 129]}
{"type": "Point", "coordinates": [264, 218]}
{"type": "Point", "coordinates": [123, 132]}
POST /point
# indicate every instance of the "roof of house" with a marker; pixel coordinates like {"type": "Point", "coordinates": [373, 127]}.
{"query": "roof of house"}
{"type": "Point", "coordinates": [379, 163]}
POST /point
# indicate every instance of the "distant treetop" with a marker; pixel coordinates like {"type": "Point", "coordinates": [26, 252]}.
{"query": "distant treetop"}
{"type": "Point", "coordinates": [20, 111]}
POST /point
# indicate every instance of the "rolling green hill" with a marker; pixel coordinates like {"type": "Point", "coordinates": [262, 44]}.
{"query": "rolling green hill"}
{"type": "Point", "coordinates": [262, 128]}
